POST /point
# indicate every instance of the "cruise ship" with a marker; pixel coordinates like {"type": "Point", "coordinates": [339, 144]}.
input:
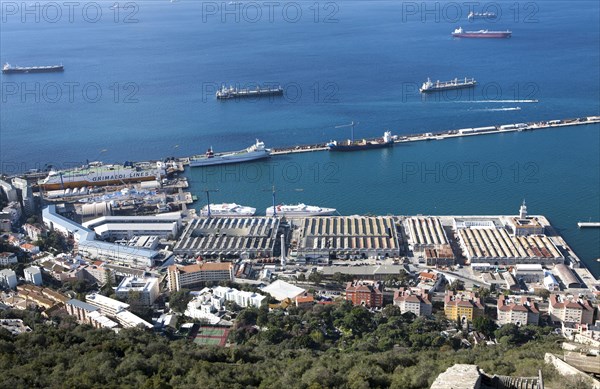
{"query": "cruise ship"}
{"type": "Point", "coordinates": [98, 174]}
{"type": "Point", "coordinates": [8, 69]}
{"type": "Point", "coordinates": [460, 33]}
{"type": "Point", "coordinates": [256, 151]}
{"type": "Point", "coordinates": [350, 145]}
{"type": "Point", "coordinates": [429, 86]}
{"type": "Point", "coordinates": [300, 210]}
{"type": "Point", "coordinates": [229, 93]}
{"type": "Point", "coordinates": [226, 209]}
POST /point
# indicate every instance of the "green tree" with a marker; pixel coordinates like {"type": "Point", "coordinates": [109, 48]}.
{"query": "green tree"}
{"type": "Point", "coordinates": [178, 301]}
{"type": "Point", "coordinates": [485, 325]}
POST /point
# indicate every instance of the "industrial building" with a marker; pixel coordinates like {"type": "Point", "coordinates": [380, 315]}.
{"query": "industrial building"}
{"type": "Point", "coordinates": [374, 272]}
{"type": "Point", "coordinates": [126, 227]}
{"type": "Point", "coordinates": [567, 276]}
{"type": "Point", "coordinates": [250, 237]}
{"type": "Point", "coordinates": [529, 273]}
{"type": "Point", "coordinates": [87, 245]}
{"type": "Point", "coordinates": [345, 236]}
{"type": "Point", "coordinates": [487, 240]}
{"type": "Point", "coordinates": [425, 232]}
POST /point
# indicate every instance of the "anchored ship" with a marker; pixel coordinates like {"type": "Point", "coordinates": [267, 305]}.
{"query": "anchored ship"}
{"type": "Point", "coordinates": [97, 174]}
{"type": "Point", "coordinates": [227, 210]}
{"type": "Point", "coordinates": [481, 15]}
{"type": "Point", "coordinates": [8, 69]}
{"type": "Point", "coordinates": [229, 93]}
{"type": "Point", "coordinates": [429, 86]}
{"type": "Point", "coordinates": [256, 151]}
{"type": "Point", "coordinates": [300, 210]}
{"type": "Point", "coordinates": [460, 33]}
{"type": "Point", "coordinates": [351, 145]}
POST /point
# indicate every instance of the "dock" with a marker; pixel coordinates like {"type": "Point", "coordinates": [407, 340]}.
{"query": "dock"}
{"type": "Point", "coordinates": [588, 224]}
{"type": "Point", "coordinates": [428, 136]}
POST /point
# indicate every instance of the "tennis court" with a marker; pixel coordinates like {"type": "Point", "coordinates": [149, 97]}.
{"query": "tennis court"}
{"type": "Point", "coordinates": [211, 336]}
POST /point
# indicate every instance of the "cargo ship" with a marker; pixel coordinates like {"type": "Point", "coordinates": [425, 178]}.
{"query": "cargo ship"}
{"type": "Point", "coordinates": [254, 152]}
{"type": "Point", "coordinates": [230, 93]}
{"type": "Point", "coordinates": [227, 210]}
{"type": "Point", "coordinates": [98, 174]}
{"type": "Point", "coordinates": [460, 33]}
{"type": "Point", "coordinates": [481, 15]}
{"type": "Point", "coordinates": [351, 145]}
{"type": "Point", "coordinates": [299, 210]}
{"type": "Point", "coordinates": [8, 69]}
{"type": "Point", "coordinates": [429, 86]}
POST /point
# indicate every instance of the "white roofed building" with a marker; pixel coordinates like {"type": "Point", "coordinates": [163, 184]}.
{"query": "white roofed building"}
{"type": "Point", "coordinates": [281, 290]}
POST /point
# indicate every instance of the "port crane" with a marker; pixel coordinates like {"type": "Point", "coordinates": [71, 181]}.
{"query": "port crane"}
{"type": "Point", "coordinates": [351, 125]}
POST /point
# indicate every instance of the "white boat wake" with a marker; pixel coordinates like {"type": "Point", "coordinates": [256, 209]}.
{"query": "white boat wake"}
{"type": "Point", "coordinates": [498, 101]}
{"type": "Point", "coordinates": [498, 109]}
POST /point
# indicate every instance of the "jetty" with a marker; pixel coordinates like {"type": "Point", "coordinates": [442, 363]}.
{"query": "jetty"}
{"type": "Point", "coordinates": [464, 132]}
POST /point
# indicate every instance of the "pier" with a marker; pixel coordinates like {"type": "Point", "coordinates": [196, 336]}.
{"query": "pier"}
{"type": "Point", "coordinates": [498, 129]}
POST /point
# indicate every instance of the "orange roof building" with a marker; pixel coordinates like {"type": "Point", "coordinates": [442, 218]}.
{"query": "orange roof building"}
{"type": "Point", "coordinates": [179, 277]}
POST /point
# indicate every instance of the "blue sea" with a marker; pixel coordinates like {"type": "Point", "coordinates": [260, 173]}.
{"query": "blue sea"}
{"type": "Point", "coordinates": [140, 78]}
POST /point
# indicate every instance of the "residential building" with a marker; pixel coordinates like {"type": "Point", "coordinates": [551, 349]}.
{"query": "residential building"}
{"type": "Point", "coordinates": [33, 232]}
{"type": "Point", "coordinates": [7, 259]}
{"type": "Point", "coordinates": [97, 272]}
{"type": "Point", "coordinates": [8, 278]}
{"type": "Point", "coordinates": [107, 306]}
{"type": "Point", "coordinates": [25, 195]}
{"type": "Point", "coordinates": [33, 274]}
{"type": "Point", "coordinates": [179, 277]}
{"type": "Point", "coordinates": [129, 320]}
{"type": "Point", "coordinates": [9, 191]}
{"type": "Point", "coordinates": [139, 290]}
{"type": "Point", "coordinates": [30, 248]}
{"type": "Point", "coordinates": [13, 209]}
{"type": "Point", "coordinates": [519, 311]}
{"type": "Point", "coordinates": [305, 300]}
{"type": "Point", "coordinates": [367, 293]}
{"type": "Point", "coordinates": [430, 281]}
{"type": "Point", "coordinates": [571, 309]}
{"type": "Point", "coordinates": [413, 300]}
{"type": "Point", "coordinates": [88, 314]}
{"type": "Point", "coordinates": [462, 306]}
{"type": "Point", "coordinates": [242, 298]}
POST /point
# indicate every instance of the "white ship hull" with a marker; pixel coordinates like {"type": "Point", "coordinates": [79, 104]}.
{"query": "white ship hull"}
{"type": "Point", "coordinates": [300, 211]}
{"type": "Point", "coordinates": [252, 153]}
{"type": "Point", "coordinates": [227, 210]}
{"type": "Point", "coordinates": [100, 176]}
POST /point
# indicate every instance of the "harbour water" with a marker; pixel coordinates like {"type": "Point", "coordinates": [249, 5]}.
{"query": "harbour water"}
{"type": "Point", "coordinates": [357, 61]}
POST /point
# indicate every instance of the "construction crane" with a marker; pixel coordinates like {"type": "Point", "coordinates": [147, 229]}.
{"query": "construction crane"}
{"type": "Point", "coordinates": [274, 203]}
{"type": "Point", "coordinates": [208, 191]}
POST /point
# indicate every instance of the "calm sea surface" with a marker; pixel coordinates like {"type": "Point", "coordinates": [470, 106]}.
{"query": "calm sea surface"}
{"type": "Point", "coordinates": [145, 90]}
